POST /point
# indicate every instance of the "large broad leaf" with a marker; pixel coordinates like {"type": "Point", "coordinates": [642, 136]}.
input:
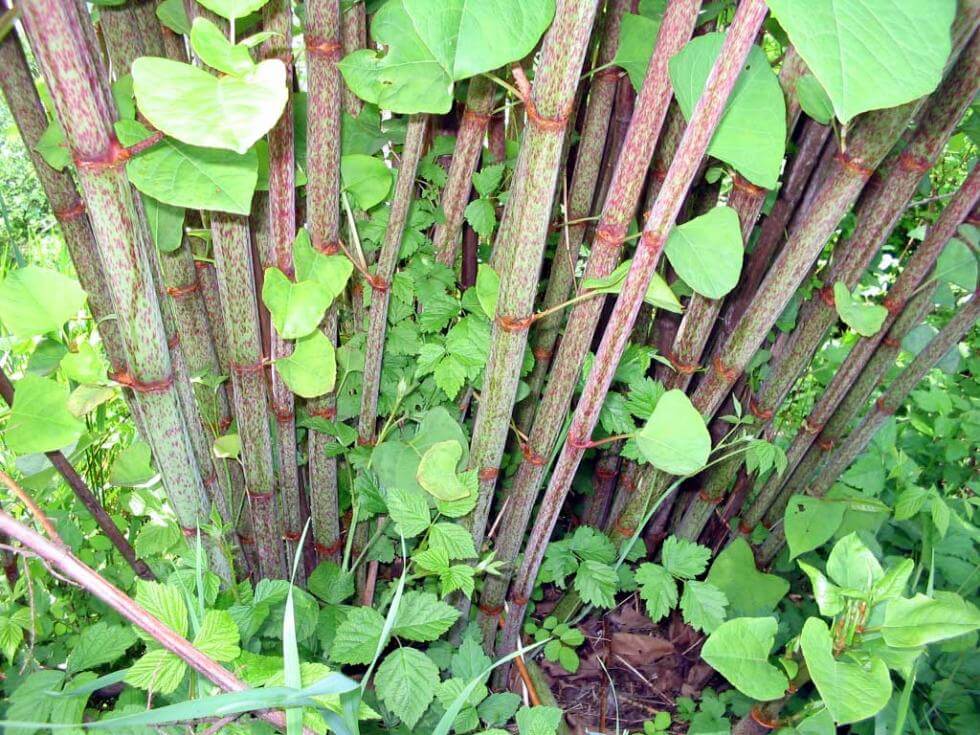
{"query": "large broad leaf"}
{"type": "Point", "coordinates": [367, 178]}
{"type": "Point", "coordinates": [749, 591]}
{"type": "Point", "coordinates": [637, 37]}
{"type": "Point", "coordinates": [40, 420]}
{"type": "Point", "coordinates": [232, 9]}
{"type": "Point", "coordinates": [921, 620]}
{"type": "Point", "coordinates": [437, 471]}
{"type": "Point", "coordinates": [810, 522]}
{"type": "Point", "coordinates": [432, 43]}
{"type": "Point", "coordinates": [851, 691]}
{"type": "Point", "coordinates": [852, 565]}
{"type": "Point", "coordinates": [311, 369]}
{"type": "Point", "coordinates": [870, 54]}
{"type": "Point", "coordinates": [706, 252]}
{"type": "Point", "coordinates": [957, 263]}
{"type": "Point", "coordinates": [331, 272]}
{"type": "Point", "coordinates": [675, 438]}
{"type": "Point", "coordinates": [296, 308]}
{"type": "Point", "coordinates": [865, 319]}
{"type": "Point", "coordinates": [739, 650]}
{"type": "Point", "coordinates": [752, 133]}
{"type": "Point", "coordinates": [192, 106]}
{"type": "Point", "coordinates": [36, 300]}
{"type": "Point", "coordinates": [189, 176]}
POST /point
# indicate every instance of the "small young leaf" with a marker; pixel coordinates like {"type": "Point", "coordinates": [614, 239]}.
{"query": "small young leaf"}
{"type": "Point", "coordinates": [296, 308]}
{"type": "Point", "coordinates": [706, 252]}
{"type": "Point", "coordinates": [814, 99]}
{"type": "Point", "coordinates": [233, 9]}
{"type": "Point", "coordinates": [865, 319]}
{"type": "Point", "coordinates": [311, 369]}
{"type": "Point", "coordinates": [482, 216]}
{"type": "Point", "coordinates": [367, 178]}
{"type": "Point", "coordinates": [215, 50]}
{"type": "Point", "coordinates": [174, 16]}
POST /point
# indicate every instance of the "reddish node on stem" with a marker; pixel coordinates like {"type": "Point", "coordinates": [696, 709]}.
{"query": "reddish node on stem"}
{"type": "Point", "coordinates": [883, 407]}
{"type": "Point", "coordinates": [178, 292]}
{"type": "Point", "coordinates": [284, 415]}
{"type": "Point", "coordinates": [531, 456]}
{"type": "Point", "coordinates": [377, 283]}
{"type": "Point", "coordinates": [610, 234]}
{"type": "Point", "coordinates": [476, 117]}
{"type": "Point", "coordinates": [252, 369]}
{"type": "Point", "coordinates": [151, 386]}
{"type": "Point", "coordinates": [894, 306]}
{"type": "Point", "coordinates": [747, 186]}
{"type": "Point", "coordinates": [336, 546]}
{"type": "Point", "coordinates": [826, 295]}
{"type": "Point", "coordinates": [728, 374]}
{"type": "Point", "coordinates": [514, 323]}
{"type": "Point", "coordinates": [491, 611]}
{"type": "Point", "coordinates": [709, 499]}
{"type": "Point", "coordinates": [541, 353]}
{"type": "Point", "coordinates": [891, 342]}
{"type": "Point", "coordinates": [826, 444]}
{"type": "Point", "coordinates": [853, 164]}
{"type": "Point", "coordinates": [173, 341]}
{"type": "Point", "coordinates": [323, 48]}
{"type": "Point", "coordinates": [327, 412]}
{"type": "Point", "coordinates": [651, 241]}
{"type": "Point", "coordinates": [291, 536]}
{"type": "Point", "coordinates": [71, 212]}
{"type": "Point", "coordinates": [488, 474]}
{"type": "Point", "coordinates": [327, 248]}
{"type": "Point", "coordinates": [763, 414]}
{"type": "Point", "coordinates": [908, 161]}
{"type": "Point", "coordinates": [811, 428]}
{"type": "Point", "coordinates": [682, 368]}
{"type": "Point", "coordinates": [757, 718]}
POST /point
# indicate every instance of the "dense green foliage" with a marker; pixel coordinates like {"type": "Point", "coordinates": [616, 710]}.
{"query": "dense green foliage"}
{"type": "Point", "coordinates": [287, 400]}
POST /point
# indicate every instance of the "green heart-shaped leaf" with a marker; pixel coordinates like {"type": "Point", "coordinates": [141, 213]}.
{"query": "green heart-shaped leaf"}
{"type": "Point", "coordinates": [739, 650]}
{"type": "Point", "coordinates": [39, 420]}
{"type": "Point", "coordinates": [192, 106]}
{"type": "Point", "coordinates": [311, 369]}
{"type": "Point", "coordinates": [675, 438]}
{"type": "Point", "coordinates": [296, 308]}
{"type": "Point", "coordinates": [437, 471]}
{"type": "Point", "coordinates": [36, 300]}
{"type": "Point", "coordinates": [706, 252]}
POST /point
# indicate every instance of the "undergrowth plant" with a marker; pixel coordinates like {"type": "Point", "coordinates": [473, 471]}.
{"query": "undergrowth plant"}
{"type": "Point", "coordinates": [431, 366]}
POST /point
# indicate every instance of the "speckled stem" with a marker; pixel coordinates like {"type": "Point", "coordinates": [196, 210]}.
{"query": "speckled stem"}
{"type": "Point", "coordinates": [466, 156]}
{"type": "Point", "coordinates": [75, 79]}
{"type": "Point", "coordinates": [886, 405]}
{"type": "Point", "coordinates": [236, 285]}
{"type": "Point", "coordinates": [353, 37]}
{"type": "Point", "coordinates": [520, 242]}
{"type": "Point", "coordinates": [581, 195]}
{"type": "Point", "coordinates": [128, 33]}
{"type": "Point", "coordinates": [878, 211]}
{"type": "Point", "coordinates": [704, 119]}
{"type": "Point", "coordinates": [387, 260]}
{"type": "Point", "coordinates": [325, 96]}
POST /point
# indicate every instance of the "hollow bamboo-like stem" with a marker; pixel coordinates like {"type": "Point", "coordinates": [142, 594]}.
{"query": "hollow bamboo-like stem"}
{"type": "Point", "coordinates": [236, 286]}
{"type": "Point", "coordinates": [466, 156]}
{"type": "Point", "coordinates": [520, 241]}
{"type": "Point", "coordinates": [704, 119]}
{"type": "Point", "coordinates": [75, 570]}
{"type": "Point", "coordinates": [75, 79]}
{"type": "Point", "coordinates": [886, 405]}
{"type": "Point", "coordinates": [381, 280]}
{"type": "Point", "coordinates": [913, 273]}
{"type": "Point", "coordinates": [278, 18]}
{"type": "Point", "coordinates": [325, 97]}
{"type": "Point", "coordinates": [620, 205]}
{"type": "Point", "coordinates": [878, 211]}
{"type": "Point", "coordinates": [581, 195]}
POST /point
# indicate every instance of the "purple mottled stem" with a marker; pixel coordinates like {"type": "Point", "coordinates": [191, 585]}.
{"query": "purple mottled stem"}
{"type": "Point", "coordinates": [704, 119]}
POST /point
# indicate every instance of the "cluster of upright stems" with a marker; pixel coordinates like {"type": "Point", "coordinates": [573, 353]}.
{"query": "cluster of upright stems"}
{"type": "Point", "coordinates": [194, 310]}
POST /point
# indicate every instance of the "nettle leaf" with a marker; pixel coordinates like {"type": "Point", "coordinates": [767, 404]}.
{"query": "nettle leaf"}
{"type": "Point", "coordinates": [870, 54]}
{"type": "Point", "coordinates": [423, 617]}
{"type": "Point", "coordinates": [311, 369]}
{"type": "Point", "coordinates": [810, 522]}
{"type": "Point", "coordinates": [296, 308]}
{"type": "Point", "coordinates": [174, 16]}
{"type": "Point", "coordinates": [957, 264]}
{"type": "Point", "coordinates": [706, 252]}
{"type": "Point", "coordinates": [233, 9]}
{"type": "Point", "coordinates": [658, 294]}
{"type": "Point", "coordinates": [684, 559]}
{"type": "Point", "coordinates": [432, 43]}
{"type": "Point", "coordinates": [34, 300]}
{"type": "Point", "coordinates": [406, 682]}
{"type": "Point", "coordinates": [539, 720]}
{"type": "Point", "coordinates": [488, 179]}
{"type": "Point", "coordinates": [865, 319]}
{"type": "Point", "coordinates": [749, 591]}
{"type": "Point", "coordinates": [437, 471]}
{"type": "Point", "coordinates": [190, 176]}
{"type": "Point", "coordinates": [752, 133]}
{"type": "Point", "coordinates": [409, 510]}
{"type": "Point", "coordinates": [191, 105]}
{"type": "Point", "coordinates": [814, 99]}
{"type": "Point", "coordinates": [99, 644]}
{"type": "Point", "coordinates": [39, 420]}
{"type": "Point", "coordinates": [703, 605]}
{"type": "Point", "coordinates": [739, 650]}
{"type": "Point", "coordinates": [487, 289]}
{"type": "Point", "coordinates": [921, 620]}
{"type": "Point", "coordinates": [332, 272]}
{"type": "Point", "coordinates": [357, 636]}
{"type": "Point", "coordinates": [851, 691]}
{"type": "Point", "coordinates": [658, 589]}
{"type": "Point", "coordinates": [367, 178]}
{"type": "Point", "coordinates": [596, 583]}
{"type": "Point", "coordinates": [215, 50]}
{"type": "Point", "coordinates": [675, 438]}
{"type": "Point", "coordinates": [637, 37]}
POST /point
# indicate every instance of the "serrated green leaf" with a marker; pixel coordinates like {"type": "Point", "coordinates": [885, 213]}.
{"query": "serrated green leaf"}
{"type": "Point", "coordinates": [357, 636]}
{"type": "Point", "coordinates": [452, 538]}
{"type": "Point", "coordinates": [539, 720]}
{"type": "Point", "coordinates": [684, 559]}
{"type": "Point", "coordinates": [158, 671]}
{"type": "Point", "coordinates": [482, 217]}
{"type": "Point", "coordinates": [409, 510]}
{"type": "Point", "coordinates": [406, 682]}
{"type": "Point", "coordinates": [100, 643]}
{"type": "Point", "coordinates": [658, 589]}
{"type": "Point", "coordinates": [423, 617]}
{"type": "Point", "coordinates": [330, 583]}
{"type": "Point", "coordinates": [703, 605]}
{"type": "Point", "coordinates": [596, 583]}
